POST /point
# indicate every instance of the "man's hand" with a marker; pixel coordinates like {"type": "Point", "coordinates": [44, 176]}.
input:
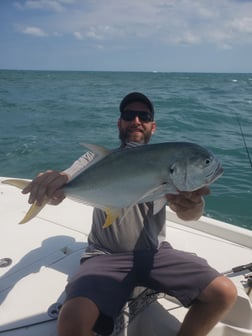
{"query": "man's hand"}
{"type": "Point", "coordinates": [188, 205]}
{"type": "Point", "coordinates": [47, 184]}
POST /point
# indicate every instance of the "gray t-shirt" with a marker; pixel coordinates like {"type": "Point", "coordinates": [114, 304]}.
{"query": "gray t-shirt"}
{"type": "Point", "coordinates": [137, 229]}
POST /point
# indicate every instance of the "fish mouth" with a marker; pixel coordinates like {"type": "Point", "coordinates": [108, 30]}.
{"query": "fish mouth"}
{"type": "Point", "coordinates": [217, 173]}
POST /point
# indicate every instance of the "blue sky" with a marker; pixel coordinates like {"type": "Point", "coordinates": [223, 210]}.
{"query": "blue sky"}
{"type": "Point", "coordinates": [126, 35]}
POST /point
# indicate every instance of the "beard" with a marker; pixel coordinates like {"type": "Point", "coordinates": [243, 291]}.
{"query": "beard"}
{"type": "Point", "coordinates": [134, 134]}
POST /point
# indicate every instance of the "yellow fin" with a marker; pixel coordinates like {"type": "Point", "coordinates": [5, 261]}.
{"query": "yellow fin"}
{"type": "Point", "coordinates": [112, 214]}
{"type": "Point", "coordinates": [33, 211]}
{"type": "Point", "coordinates": [17, 183]}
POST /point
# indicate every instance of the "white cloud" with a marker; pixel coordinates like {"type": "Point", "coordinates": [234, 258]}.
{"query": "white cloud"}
{"type": "Point", "coordinates": [93, 34]}
{"type": "Point", "coordinates": [187, 38]}
{"type": "Point", "coordinates": [35, 31]}
{"type": "Point", "coordinates": [242, 25]}
{"type": "Point", "coordinates": [185, 22]}
{"type": "Point", "coordinates": [135, 34]}
{"type": "Point", "coordinates": [54, 5]}
{"type": "Point", "coordinates": [78, 35]}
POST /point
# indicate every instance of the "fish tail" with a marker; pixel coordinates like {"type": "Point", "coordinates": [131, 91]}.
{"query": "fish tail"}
{"type": "Point", "coordinates": [21, 184]}
{"type": "Point", "coordinates": [33, 211]}
{"type": "Point", "coordinates": [35, 208]}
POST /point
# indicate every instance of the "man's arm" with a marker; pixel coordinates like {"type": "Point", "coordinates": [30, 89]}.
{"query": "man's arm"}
{"type": "Point", "coordinates": [188, 205]}
{"type": "Point", "coordinates": [50, 183]}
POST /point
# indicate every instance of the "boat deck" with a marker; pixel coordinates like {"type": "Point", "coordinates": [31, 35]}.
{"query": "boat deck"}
{"type": "Point", "coordinates": [45, 252]}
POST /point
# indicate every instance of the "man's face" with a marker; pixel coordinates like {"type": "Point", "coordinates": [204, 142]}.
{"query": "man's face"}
{"type": "Point", "coordinates": [140, 128]}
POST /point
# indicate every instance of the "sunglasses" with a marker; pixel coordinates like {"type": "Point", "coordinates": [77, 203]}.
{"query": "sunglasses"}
{"type": "Point", "coordinates": [129, 115]}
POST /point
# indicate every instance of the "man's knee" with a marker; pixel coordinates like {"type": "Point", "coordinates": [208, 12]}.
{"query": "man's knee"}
{"type": "Point", "coordinates": [221, 290]}
{"type": "Point", "coordinates": [77, 317]}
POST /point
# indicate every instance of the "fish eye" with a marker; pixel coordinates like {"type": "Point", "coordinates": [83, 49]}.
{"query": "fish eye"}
{"type": "Point", "coordinates": [207, 161]}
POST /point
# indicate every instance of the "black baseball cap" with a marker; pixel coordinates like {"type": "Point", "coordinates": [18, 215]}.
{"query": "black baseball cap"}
{"type": "Point", "coordinates": [136, 97]}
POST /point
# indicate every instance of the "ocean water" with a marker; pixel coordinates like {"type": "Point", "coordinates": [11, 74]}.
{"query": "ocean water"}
{"type": "Point", "coordinates": [44, 116]}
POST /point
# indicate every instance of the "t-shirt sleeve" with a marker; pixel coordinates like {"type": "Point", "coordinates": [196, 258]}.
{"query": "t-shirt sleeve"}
{"type": "Point", "coordinates": [79, 165]}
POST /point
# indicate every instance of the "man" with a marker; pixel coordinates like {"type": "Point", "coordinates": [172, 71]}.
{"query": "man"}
{"type": "Point", "coordinates": [135, 253]}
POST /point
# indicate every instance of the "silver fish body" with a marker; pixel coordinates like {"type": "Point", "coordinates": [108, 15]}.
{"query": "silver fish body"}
{"type": "Point", "coordinates": [144, 173]}
{"type": "Point", "coordinates": [122, 178]}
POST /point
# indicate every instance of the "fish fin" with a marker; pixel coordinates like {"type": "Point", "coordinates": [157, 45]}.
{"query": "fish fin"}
{"type": "Point", "coordinates": [33, 211]}
{"type": "Point", "coordinates": [153, 194]}
{"type": "Point", "coordinates": [112, 215]}
{"type": "Point", "coordinates": [158, 193]}
{"type": "Point", "coordinates": [159, 204]}
{"type": "Point", "coordinates": [99, 151]}
{"type": "Point", "coordinates": [17, 183]}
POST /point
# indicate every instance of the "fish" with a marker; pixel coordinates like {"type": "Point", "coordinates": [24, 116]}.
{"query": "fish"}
{"type": "Point", "coordinates": [121, 178]}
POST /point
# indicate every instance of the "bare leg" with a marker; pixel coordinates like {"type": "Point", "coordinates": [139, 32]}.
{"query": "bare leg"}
{"type": "Point", "coordinates": [212, 305]}
{"type": "Point", "coordinates": [77, 317]}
